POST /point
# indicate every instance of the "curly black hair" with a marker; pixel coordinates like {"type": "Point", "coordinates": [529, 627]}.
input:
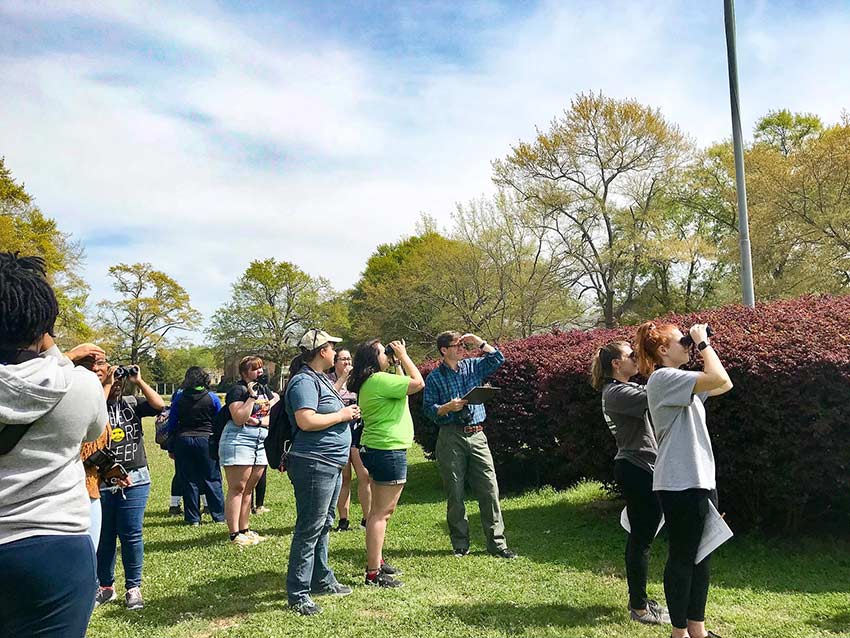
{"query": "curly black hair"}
{"type": "Point", "coordinates": [28, 306]}
{"type": "Point", "coordinates": [196, 377]}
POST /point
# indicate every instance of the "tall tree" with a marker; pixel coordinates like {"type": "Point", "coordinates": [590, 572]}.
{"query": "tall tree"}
{"type": "Point", "coordinates": [594, 179]}
{"type": "Point", "coordinates": [24, 228]}
{"type": "Point", "coordinates": [151, 307]}
{"type": "Point", "coordinates": [272, 304]}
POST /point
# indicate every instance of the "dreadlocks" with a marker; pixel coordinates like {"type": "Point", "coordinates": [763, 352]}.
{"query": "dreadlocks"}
{"type": "Point", "coordinates": [28, 306]}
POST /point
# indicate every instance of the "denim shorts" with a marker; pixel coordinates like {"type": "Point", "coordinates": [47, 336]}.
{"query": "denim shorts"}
{"type": "Point", "coordinates": [242, 445]}
{"type": "Point", "coordinates": [386, 467]}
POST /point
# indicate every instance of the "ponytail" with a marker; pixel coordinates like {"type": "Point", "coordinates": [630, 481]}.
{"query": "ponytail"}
{"type": "Point", "coordinates": [600, 367]}
{"type": "Point", "coordinates": [648, 340]}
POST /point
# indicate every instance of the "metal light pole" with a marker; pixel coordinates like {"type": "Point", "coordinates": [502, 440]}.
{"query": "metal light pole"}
{"type": "Point", "coordinates": [737, 141]}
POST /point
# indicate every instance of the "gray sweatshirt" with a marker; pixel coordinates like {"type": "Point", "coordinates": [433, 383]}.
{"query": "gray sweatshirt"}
{"type": "Point", "coordinates": [42, 488]}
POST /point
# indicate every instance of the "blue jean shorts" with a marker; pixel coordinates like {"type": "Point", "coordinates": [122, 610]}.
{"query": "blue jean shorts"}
{"type": "Point", "coordinates": [386, 467]}
{"type": "Point", "coordinates": [242, 445]}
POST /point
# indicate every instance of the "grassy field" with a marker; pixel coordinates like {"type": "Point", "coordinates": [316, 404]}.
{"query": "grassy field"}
{"type": "Point", "coordinates": [568, 581]}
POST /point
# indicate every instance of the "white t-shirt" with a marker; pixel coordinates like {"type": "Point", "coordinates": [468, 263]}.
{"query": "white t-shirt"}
{"type": "Point", "coordinates": [685, 458]}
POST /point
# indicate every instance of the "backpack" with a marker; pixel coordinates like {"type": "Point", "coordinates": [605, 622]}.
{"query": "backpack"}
{"type": "Point", "coordinates": [280, 435]}
{"type": "Point", "coordinates": [163, 434]}
{"type": "Point", "coordinates": [219, 421]}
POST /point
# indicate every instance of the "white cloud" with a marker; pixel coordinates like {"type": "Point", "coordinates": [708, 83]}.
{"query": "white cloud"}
{"type": "Point", "coordinates": [367, 141]}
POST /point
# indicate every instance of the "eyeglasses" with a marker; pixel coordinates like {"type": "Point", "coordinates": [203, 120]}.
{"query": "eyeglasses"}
{"type": "Point", "coordinates": [100, 363]}
{"type": "Point", "coordinates": [459, 344]}
{"type": "Point", "coordinates": [631, 355]}
{"type": "Point", "coordinates": [344, 359]}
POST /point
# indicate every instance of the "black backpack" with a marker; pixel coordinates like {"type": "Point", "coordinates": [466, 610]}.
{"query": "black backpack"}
{"type": "Point", "coordinates": [219, 421]}
{"type": "Point", "coordinates": [280, 434]}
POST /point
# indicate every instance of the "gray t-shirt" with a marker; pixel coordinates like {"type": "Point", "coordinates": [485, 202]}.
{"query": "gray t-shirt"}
{"type": "Point", "coordinates": [624, 406]}
{"type": "Point", "coordinates": [685, 459]}
{"type": "Point", "coordinates": [310, 390]}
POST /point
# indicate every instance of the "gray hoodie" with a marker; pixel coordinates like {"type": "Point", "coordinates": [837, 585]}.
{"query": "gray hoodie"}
{"type": "Point", "coordinates": [42, 489]}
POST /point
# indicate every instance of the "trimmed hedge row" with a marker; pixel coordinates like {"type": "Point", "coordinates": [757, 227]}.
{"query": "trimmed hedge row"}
{"type": "Point", "coordinates": [781, 437]}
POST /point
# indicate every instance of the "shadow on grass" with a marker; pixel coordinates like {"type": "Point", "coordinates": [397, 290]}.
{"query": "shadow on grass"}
{"type": "Point", "coordinates": [839, 623]}
{"type": "Point", "coordinates": [507, 617]}
{"type": "Point", "coordinates": [588, 537]}
{"type": "Point", "coordinates": [208, 600]}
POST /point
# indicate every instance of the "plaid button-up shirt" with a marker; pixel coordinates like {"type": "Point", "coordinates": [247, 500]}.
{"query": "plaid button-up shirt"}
{"type": "Point", "coordinates": [445, 384]}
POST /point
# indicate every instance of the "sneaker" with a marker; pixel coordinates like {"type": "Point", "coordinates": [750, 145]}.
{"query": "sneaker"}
{"type": "Point", "coordinates": [243, 540]}
{"type": "Point", "coordinates": [343, 525]}
{"type": "Point", "coordinates": [384, 580]}
{"type": "Point", "coordinates": [460, 551]}
{"type": "Point", "coordinates": [362, 523]}
{"type": "Point", "coordinates": [504, 553]}
{"type": "Point", "coordinates": [305, 608]}
{"type": "Point", "coordinates": [655, 614]}
{"type": "Point", "coordinates": [255, 537]}
{"type": "Point", "coordinates": [104, 595]}
{"type": "Point", "coordinates": [133, 598]}
{"type": "Point", "coordinates": [262, 509]}
{"type": "Point", "coordinates": [193, 523]}
{"type": "Point", "coordinates": [175, 510]}
{"type": "Point", "coordinates": [389, 569]}
{"type": "Point", "coordinates": [337, 589]}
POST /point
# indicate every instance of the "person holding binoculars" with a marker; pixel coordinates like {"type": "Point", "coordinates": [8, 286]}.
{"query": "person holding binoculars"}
{"type": "Point", "coordinates": [240, 451]}
{"type": "Point", "coordinates": [684, 476]}
{"type": "Point", "coordinates": [387, 435]}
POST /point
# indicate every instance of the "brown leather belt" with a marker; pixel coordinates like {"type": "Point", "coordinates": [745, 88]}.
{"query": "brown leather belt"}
{"type": "Point", "coordinates": [469, 429]}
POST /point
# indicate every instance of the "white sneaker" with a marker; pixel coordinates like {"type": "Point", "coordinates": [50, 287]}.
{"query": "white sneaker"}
{"type": "Point", "coordinates": [255, 537]}
{"type": "Point", "coordinates": [243, 540]}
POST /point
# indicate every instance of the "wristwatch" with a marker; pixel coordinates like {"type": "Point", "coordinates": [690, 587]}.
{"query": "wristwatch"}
{"type": "Point", "coordinates": [481, 345]}
{"type": "Point", "coordinates": [702, 345]}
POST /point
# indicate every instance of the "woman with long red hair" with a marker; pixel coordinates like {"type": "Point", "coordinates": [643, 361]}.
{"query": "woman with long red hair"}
{"type": "Point", "coordinates": [684, 477]}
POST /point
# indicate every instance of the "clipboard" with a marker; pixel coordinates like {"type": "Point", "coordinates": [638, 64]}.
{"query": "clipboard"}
{"type": "Point", "coordinates": [480, 394]}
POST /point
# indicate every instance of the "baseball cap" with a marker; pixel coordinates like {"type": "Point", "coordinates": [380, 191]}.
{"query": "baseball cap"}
{"type": "Point", "coordinates": [316, 338]}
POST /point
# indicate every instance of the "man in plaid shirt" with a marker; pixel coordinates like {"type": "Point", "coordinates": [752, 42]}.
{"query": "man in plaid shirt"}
{"type": "Point", "coordinates": [462, 450]}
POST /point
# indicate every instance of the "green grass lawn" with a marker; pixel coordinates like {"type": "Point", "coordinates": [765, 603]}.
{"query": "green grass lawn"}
{"type": "Point", "coordinates": [568, 581]}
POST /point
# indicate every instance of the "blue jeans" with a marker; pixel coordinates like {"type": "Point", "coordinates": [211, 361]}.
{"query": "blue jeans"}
{"type": "Point", "coordinates": [122, 519]}
{"type": "Point", "coordinates": [317, 488]}
{"type": "Point", "coordinates": [47, 586]}
{"type": "Point", "coordinates": [200, 474]}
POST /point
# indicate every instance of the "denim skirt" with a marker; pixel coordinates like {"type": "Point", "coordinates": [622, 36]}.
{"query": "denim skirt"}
{"type": "Point", "coordinates": [242, 445]}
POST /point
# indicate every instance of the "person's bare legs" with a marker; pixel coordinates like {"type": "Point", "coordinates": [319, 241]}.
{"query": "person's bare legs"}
{"type": "Point", "coordinates": [256, 471]}
{"type": "Point", "coordinates": [384, 501]}
{"type": "Point", "coordinates": [343, 504]}
{"type": "Point", "coordinates": [237, 480]}
{"type": "Point", "coordinates": [364, 485]}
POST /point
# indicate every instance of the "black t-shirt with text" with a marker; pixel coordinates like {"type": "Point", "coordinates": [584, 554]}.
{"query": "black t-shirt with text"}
{"type": "Point", "coordinates": [127, 439]}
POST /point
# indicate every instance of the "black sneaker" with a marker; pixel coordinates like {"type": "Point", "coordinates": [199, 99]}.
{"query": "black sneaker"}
{"type": "Point", "coordinates": [344, 525]}
{"type": "Point", "coordinates": [460, 551]}
{"type": "Point", "coordinates": [337, 589]}
{"type": "Point", "coordinates": [362, 523]}
{"type": "Point", "coordinates": [175, 510]}
{"type": "Point", "coordinates": [384, 580]}
{"type": "Point", "coordinates": [504, 553]}
{"type": "Point", "coordinates": [655, 614]}
{"type": "Point", "coordinates": [389, 569]}
{"type": "Point", "coordinates": [305, 608]}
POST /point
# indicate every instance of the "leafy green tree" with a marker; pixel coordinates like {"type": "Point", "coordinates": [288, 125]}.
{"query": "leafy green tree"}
{"type": "Point", "coordinates": [271, 306]}
{"type": "Point", "coordinates": [786, 131]}
{"type": "Point", "coordinates": [24, 228]}
{"type": "Point", "coordinates": [151, 307]}
{"type": "Point", "coordinates": [595, 180]}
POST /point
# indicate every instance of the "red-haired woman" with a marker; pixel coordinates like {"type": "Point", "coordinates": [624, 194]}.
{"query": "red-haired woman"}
{"type": "Point", "coordinates": [684, 470]}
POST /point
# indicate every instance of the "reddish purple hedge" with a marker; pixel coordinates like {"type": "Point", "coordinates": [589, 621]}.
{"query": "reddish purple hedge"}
{"type": "Point", "coordinates": [781, 437]}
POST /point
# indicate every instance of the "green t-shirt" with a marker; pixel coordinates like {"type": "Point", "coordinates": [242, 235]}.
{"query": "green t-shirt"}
{"type": "Point", "coordinates": [386, 416]}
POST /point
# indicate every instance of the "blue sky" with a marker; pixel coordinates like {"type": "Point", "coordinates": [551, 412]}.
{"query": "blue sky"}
{"type": "Point", "coordinates": [200, 135]}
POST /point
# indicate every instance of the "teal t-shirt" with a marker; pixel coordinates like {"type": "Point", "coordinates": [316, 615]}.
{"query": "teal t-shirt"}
{"type": "Point", "coordinates": [387, 424]}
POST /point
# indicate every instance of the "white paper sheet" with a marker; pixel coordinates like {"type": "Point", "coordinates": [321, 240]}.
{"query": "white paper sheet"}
{"type": "Point", "coordinates": [714, 534]}
{"type": "Point", "coordinates": [626, 525]}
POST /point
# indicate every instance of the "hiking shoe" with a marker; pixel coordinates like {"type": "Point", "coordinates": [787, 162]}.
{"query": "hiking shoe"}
{"type": "Point", "coordinates": [255, 537]}
{"type": "Point", "coordinates": [504, 553]}
{"type": "Point", "coordinates": [655, 614]}
{"type": "Point", "coordinates": [362, 523]}
{"type": "Point", "coordinates": [175, 510]}
{"type": "Point", "coordinates": [262, 509]}
{"type": "Point", "coordinates": [305, 608]}
{"type": "Point", "coordinates": [389, 569]}
{"type": "Point", "coordinates": [337, 589]}
{"type": "Point", "coordinates": [133, 598]}
{"type": "Point", "coordinates": [243, 540]}
{"type": "Point", "coordinates": [384, 580]}
{"type": "Point", "coordinates": [104, 595]}
{"type": "Point", "coordinates": [460, 551]}
{"type": "Point", "coordinates": [343, 525]}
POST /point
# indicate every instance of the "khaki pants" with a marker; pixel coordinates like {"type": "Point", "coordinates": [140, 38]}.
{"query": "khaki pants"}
{"type": "Point", "coordinates": [466, 457]}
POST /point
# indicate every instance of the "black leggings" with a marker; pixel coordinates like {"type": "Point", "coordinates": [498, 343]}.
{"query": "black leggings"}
{"type": "Point", "coordinates": [259, 495]}
{"type": "Point", "coordinates": [686, 584]}
{"type": "Point", "coordinates": [644, 512]}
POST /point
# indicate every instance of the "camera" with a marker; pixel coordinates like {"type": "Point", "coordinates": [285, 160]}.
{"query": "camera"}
{"type": "Point", "coordinates": [688, 340]}
{"type": "Point", "coordinates": [388, 350]}
{"type": "Point", "coordinates": [126, 371]}
{"type": "Point", "coordinates": [109, 469]}
{"type": "Point", "coordinates": [263, 379]}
